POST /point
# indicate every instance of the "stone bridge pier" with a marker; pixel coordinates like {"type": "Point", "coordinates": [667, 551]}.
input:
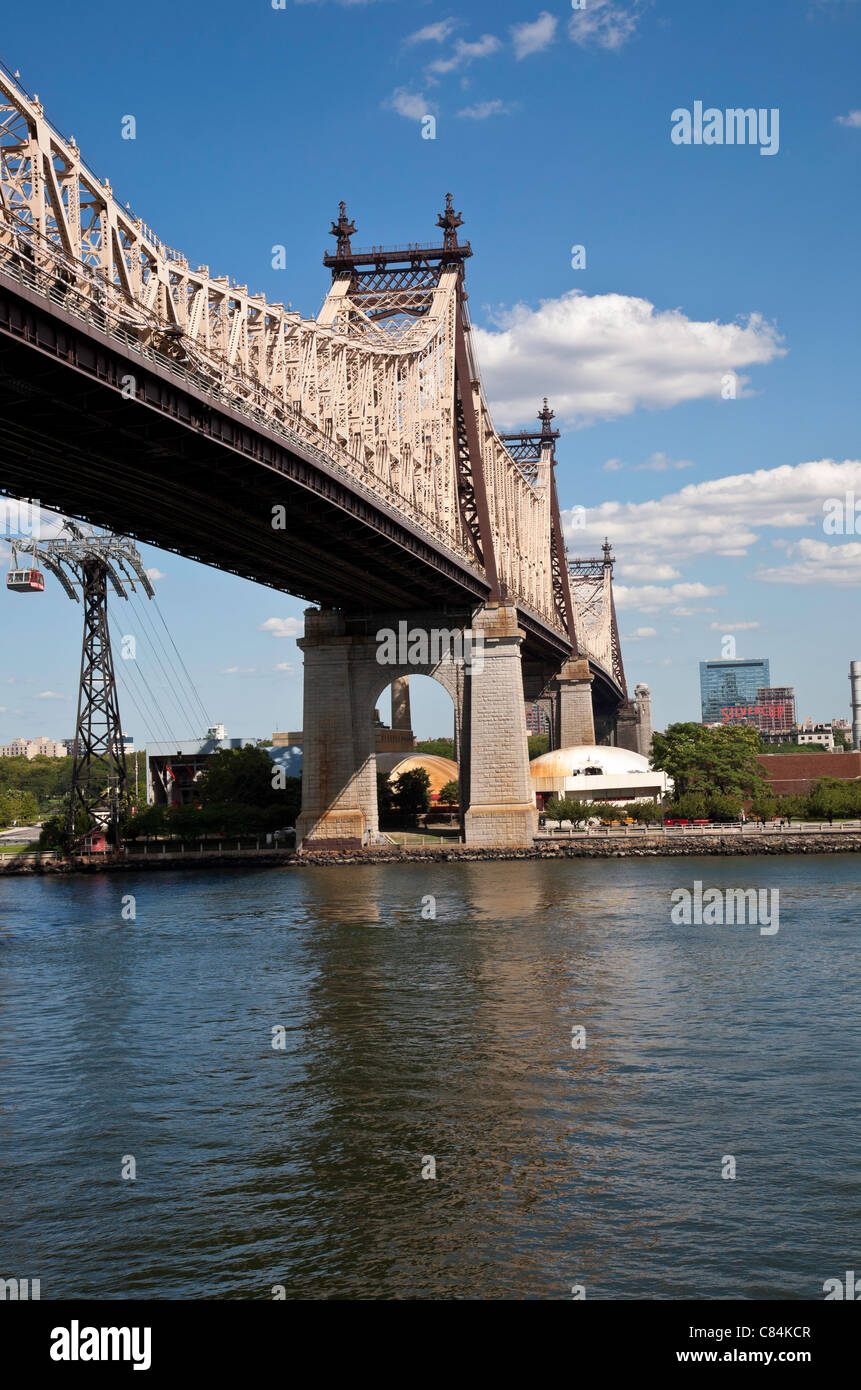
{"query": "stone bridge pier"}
{"type": "Point", "coordinates": [350, 661]}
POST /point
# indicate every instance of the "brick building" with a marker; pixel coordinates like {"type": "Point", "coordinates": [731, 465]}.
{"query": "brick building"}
{"type": "Point", "coordinates": [790, 773]}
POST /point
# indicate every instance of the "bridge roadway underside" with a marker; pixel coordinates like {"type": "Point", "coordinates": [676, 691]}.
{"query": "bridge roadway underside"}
{"type": "Point", "coordinates": [182, 470]}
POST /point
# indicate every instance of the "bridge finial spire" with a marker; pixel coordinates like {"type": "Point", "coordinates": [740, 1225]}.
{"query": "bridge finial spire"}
{"type": "Point", "coordinates": [343, 229]}
{"type": "Point", "coordinates": [608, 552]}
{"type": "Point", "coordinates": [449, 220]}
{"type": "Point", "coordinates": [545, 416]}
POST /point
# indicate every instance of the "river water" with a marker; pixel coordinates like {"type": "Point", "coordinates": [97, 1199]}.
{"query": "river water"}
{"type": "Point", "coordinates": [412, 1043]}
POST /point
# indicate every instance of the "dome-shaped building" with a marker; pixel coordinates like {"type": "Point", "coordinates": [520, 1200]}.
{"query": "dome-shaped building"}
{"type": "Point", "coordinates": [439, 770]}
{"type": "Point", "coordinates": [597, 772]}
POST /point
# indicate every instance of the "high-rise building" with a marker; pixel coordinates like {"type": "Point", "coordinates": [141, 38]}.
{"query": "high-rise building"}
{"type": "Point", "coordinates": [727, 688]}
{"type": "Point", "coordinates": [774, 711]}
{"type": "Point", "coordinates": [537, 720]}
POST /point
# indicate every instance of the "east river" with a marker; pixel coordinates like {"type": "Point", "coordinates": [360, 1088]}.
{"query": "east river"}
{"type": "Point", "coordinates": [284, 1058]}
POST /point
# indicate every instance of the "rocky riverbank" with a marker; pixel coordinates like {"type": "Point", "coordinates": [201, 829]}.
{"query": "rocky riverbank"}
{"type": "Point", "coordinates": [648, 846]}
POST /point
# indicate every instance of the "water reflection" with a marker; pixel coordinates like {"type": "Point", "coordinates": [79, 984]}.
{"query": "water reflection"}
{"type": "Point", "coordinates": [409, 1036]}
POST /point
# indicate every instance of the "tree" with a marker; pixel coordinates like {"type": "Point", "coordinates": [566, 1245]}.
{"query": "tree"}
{"type": "Point", "coordinates": [538, 744]}
{"type": "Point", "coordinates": [385, 797]}
{"type": "Point", "coordinates": [241, 775]}
{"type": "Point", "coordinates": [18, 807]}
{"type": "Point", "coordinates": [440, 747]}
{"type": "Point", "coordinates": [572, 808]}
{"type": "Point", "coordinates": [449, 794]}
{"type": "Point", "coordinates": [411, 792]}
{"type": "Point", "coordinates": [703, 760]}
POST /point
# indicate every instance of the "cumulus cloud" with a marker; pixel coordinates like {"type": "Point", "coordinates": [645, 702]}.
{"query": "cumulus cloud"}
{"type": "Point", "coordinates": [285, 666]}
{"type": "Point", "coordinates": [723, 516]}
{"type": "Point", "coordinates": [154, 574]}
{"type": "Point", "coordinates": [433, 33]}
{"type": "Point", "coordinates": [283, 627]}
{"type": "Point", "coordinates": [604, 24]}
{"type": "Point", "coordinates": [413, 105]}
{"type": "Point", "coordinates": [535, 37]}
{"type": "Point", "coordinates": [238, 670]}
{"type": "Point", "coordinates": [731, 626]}
{"type": "Point", "coordinates": [851, 119]}
{"type": "Point", "coordinates": [654, 573]}
{"type": "Point", "coordinates": [483, 109]}
{"type": "Point", "coordinates": [601, 356]}
{"type": "Point", "coordinates": [463, 54]}
{"type": "Point", "coordinates": [639, 634]}
{"type": "Point", "coordinates": [50, 695]}
{"type": "Point", "coordinates": [816, 562]}
{"type": "Point", "coordinates": [651, 598]}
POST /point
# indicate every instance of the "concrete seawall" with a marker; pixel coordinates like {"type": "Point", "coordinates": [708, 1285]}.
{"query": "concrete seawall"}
{"type": "Point", "coordinates": [647, 847]}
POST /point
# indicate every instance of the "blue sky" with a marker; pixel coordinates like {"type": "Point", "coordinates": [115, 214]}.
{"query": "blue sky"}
{"type": "Point", "coordinates": [552, 130]}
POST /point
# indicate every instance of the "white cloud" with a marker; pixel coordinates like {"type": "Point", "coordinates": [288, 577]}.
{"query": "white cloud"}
{"type": "Point", "coordinates": [433, 33]}
{"type": "Point", "coordinates": [238, 670]}
{"type": "Point", "coordinates": [535, 37]}
{"type": "Point", "coordinates": [154, 574]}
{"type": "Point", "coordinates": [483, 109]}
{"type": "Point", "coordinates": [604, 23]}
{"type": "Point", "coordinates": [50, 695]}
{"type": "Point", "coordinates": [614, 465]}
{"type": "Point", "coordinates": [285, 666]}
{"type": "Point", "coordinates": [657, 574]}
{"type": "Point", "coordinates": [729, 626]}
{"type": "Point", "coordinates": [283, 627]}
{"type": "Point", "coordinates": [723, 516]}
{"type": "Point", "coordinates": [639, 634]}
{"type": "Point", "coordinates": [651, 598]}
{"type": "Point", "coordinates": [410, 104]}
{"type": "Point", "coordinates": [852, 119]}
{"type": "Point", "coordinates": [817, 562]}
{"type": "Point", "coordinates": [463, 54]}
{"type": "Point", "coordinates": [601, 356]}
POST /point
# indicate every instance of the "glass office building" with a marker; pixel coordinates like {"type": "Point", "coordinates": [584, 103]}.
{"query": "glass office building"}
{"type": "Point", "coordinates": [728, 689]}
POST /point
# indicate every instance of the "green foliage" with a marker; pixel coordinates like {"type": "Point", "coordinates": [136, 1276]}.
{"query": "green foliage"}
{"type": "Point", "coordinates": [411, 792]}
{"type": "Point", "coordinates": [440, 747]}
{"type": "Point", "coordinates": [385, 795]}
{"type": "Point", "coordinates": [449, 794]}
{"type": "Point", "coordinates": [242, 775]}
{"type": "Point", "coordinates": [703, 761]}
{"type": "Point", "coordinates": [20, 807]}
{"type": "Point", "coordinates": [572, 808]}
{"type": "Point", "coordinates": [53, 832]}
{"type": "Point", "coordinates": [48, 779]}
{"type": "Point", "coordinates": [538, 744]}
{"type": "Point", "coordinates": [793, 748]}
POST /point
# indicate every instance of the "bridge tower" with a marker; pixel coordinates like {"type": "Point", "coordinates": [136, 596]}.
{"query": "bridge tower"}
{"type": "Point", "coordinates": [473, 651]}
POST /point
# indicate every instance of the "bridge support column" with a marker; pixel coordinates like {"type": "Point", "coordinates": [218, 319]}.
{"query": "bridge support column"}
{"type": "Point", "coordinates": [339, 785]}
{"type": "Point", "coordinates": [501, 812]}
{"type": "Point", "coordinates": [575, 719]}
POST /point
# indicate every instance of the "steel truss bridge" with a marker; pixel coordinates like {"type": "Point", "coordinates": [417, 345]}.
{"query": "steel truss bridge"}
{"type": "Point", "coordinates": [148, 396]}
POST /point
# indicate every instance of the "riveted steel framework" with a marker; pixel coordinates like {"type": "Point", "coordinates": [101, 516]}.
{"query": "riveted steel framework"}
{"type": "Point", "coordinates": [382, 384]}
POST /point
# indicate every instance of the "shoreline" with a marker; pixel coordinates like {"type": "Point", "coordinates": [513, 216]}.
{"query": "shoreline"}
{"type": "Point", "coordinates": [647, 847]}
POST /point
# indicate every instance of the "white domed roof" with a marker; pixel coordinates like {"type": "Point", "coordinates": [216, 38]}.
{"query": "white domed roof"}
{"type": "Point", "coordinates": [571, 762]}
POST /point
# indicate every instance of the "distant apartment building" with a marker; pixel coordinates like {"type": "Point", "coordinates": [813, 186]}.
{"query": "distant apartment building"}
{"type": "Point", "coordinates": [774, 709]}
{"type": "Point", "coordinates": [822, 734]}
{"type": "Point", "coordinates": [537, 720]}
{"type": "Point", "coordinates": [729, 688]}
{"type": "Point", "coordinates": [33, 748]}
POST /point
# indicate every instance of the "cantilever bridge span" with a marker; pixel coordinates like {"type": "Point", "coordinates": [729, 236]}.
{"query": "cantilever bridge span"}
{"type": "Point", "coordinates": [349, 459]}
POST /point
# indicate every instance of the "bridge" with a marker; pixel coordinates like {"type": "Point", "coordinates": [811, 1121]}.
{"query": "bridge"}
{"type": "Point", "coordinates": [350, 460]}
